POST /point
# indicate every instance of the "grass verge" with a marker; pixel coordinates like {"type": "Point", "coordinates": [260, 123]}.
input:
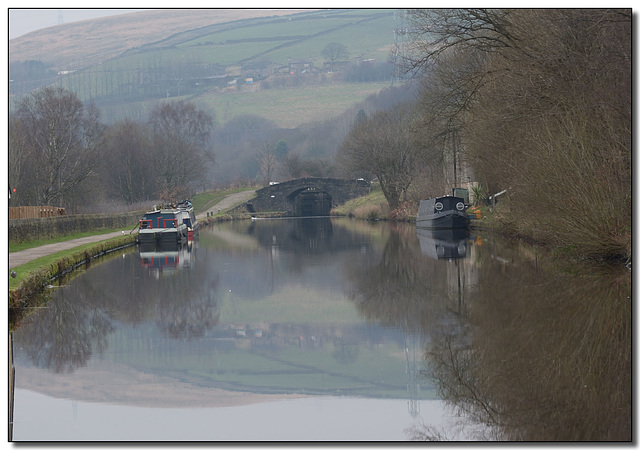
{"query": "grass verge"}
{"type": "Point", "coordinates": [372, 206]}
{"type": "Point", "coordinates": [32, 278]}
{"type": "Point", "coordinates": [39, 242]}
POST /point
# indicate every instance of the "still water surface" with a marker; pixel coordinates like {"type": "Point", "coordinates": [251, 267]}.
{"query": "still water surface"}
{"type": "Point", "coordinates": [327, 329]}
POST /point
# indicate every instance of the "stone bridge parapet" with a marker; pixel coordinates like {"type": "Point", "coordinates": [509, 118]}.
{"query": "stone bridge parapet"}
{"type": "Point", "coordinates": [307, 196]}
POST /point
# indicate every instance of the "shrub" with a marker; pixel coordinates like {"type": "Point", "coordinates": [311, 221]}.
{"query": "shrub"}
{"type": "Point", "coordinates": [371, 212]}
{"type": "Point", "coordinates": [406, 211]}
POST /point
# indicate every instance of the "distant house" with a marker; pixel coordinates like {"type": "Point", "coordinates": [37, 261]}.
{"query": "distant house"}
{"type": "Point", "coordinates": [298, 66]}
{"type": "Point", "coordinates": [258, 70]}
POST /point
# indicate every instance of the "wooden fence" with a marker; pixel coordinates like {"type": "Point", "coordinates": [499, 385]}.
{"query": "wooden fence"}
{"type": "Point", "coordinates": [34, 212]}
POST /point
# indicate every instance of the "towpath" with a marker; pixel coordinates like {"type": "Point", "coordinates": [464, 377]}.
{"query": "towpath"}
{"type": "Point", "coordinates": [25, 256]}
{"type": "Point", "coordinates": [228, 202]}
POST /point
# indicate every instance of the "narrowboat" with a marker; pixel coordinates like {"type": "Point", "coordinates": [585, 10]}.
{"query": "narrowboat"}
{"type": "Point", "coordinates": [443, 212]}
{"type": "Point", "coordinates": [162, 226]}
{"type": "Point", "coordinates": [189, 218]}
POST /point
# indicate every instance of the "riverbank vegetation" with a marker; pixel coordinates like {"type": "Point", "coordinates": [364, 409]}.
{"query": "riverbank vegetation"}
{"type": "Point", "coordinates": [534, 102]}
{"type": "Point", "coordinates": [370, 207]}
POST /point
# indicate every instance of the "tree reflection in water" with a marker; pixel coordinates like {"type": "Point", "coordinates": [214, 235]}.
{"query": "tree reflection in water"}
{"type": "Point", "coordinates": [527, 355]}
{"type": "Point", "coordinates": [541, 356]}
{"type": "Point", "coordinates": [403, 288]}
{"type": "Point", "coordinates": [65, 335]}
{"type": "Point", "coordinates": [521, 352]}
{"type": "Point", "coordinates": [80, 316]}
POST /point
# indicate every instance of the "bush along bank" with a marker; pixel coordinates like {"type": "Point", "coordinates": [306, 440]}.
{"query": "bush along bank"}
{"type": "Point", "coordinates": [29, 293]}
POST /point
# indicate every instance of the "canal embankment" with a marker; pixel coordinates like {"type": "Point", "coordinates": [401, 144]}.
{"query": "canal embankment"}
{"type": "Point", "coordinates": [46, 267]}
{"type": "Point", "coordinates": [28, 230]}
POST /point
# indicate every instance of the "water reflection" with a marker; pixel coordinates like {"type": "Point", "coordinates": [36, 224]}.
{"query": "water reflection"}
{"type": "Point", "coordinates": [526, 354]}
{"type": "Point", "coordinates": [301, 236]}
{"type": "Point", "coordinates": [539, 355]}
{"type": "Point", "coordinates": [258, 307]}
{"type": "Point", "coordinates": [64, 336]}
{"type": "Point", "coordinates": [405, 288]}
{"type": "Point", "coordinates": [444, 244]}
{"type": "Point", "coordinates": [259, 310]}
{"type": "Point", "coordinates": [80, 317]}
{"type": "Point", "coordinates": [170, 256]}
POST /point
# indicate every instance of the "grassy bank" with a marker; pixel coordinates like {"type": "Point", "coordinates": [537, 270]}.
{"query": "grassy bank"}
{"type": "Point", "coordinates": [32, 278]}
{"type": "Point", "coordinates": [40, 242]}
{"type": "Point", "coordinates": [370, 207]}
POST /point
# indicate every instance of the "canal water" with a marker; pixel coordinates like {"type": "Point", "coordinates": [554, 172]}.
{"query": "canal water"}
{"type": "Point", "coordinates": [328, 329]}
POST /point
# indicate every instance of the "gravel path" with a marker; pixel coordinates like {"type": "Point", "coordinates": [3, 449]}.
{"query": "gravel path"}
{"type": "Point", "coordinates": [25, 256]}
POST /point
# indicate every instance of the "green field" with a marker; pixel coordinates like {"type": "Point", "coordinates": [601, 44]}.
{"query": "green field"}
{"type": "Point", "coordinates": [125, 85]}
{"type": "Point", "coordinates": [290, 107]}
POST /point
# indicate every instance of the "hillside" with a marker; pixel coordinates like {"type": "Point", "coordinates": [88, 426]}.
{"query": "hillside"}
{"type": "Point", "coordinates": [231, 62]}
{"type": "Point", "coordinates": [264, 75]}
{"type": "Point", "coordinates": [88, 42]}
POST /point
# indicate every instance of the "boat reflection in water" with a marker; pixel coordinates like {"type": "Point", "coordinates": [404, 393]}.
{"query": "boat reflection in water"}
{"type": "Point", "coordinates": [166, 257]}
{"type": "Point", "coordinates": [444, 243]}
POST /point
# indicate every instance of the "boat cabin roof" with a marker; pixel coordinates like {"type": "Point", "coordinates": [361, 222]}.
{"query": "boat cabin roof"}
{"type": "Point", "coordinates": [428, 206]}
{"type": "Point", "coordinates": [447, 200]}
{"type": "Point", "coordinates": [162, 211]}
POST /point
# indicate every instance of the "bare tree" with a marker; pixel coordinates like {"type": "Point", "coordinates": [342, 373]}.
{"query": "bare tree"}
{"type": "Point", "coordinates": [447, 93]}
{"type": "Point", "coordinates": [19, 169]}
{"type": "Point", "coordinates": [292, 165]}
{"type": "Point", "coordinates": [537, 100]}
{"type": "Point", "coordinates": [128, 171]}
{"type": "Point", "coordinates": [182, 155]}
{"type": "Point", "coordinates": [267, 161]}
{"type": "Point", "coordinates": [385, 146]}
{"type": "Point", "coordinates": [335, 51]}
{"type": "Point", "coordinates": [434, 32]}
{"type": "Point", "coordinates": [60, 137]}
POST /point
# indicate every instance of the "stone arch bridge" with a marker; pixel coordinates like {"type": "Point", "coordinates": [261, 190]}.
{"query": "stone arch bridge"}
{"type": "Point", "coordinates": [306, 196]}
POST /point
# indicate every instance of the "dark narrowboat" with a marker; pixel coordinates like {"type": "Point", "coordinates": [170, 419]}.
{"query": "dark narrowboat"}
{"type": "Point", "coordinates": [443, 212]}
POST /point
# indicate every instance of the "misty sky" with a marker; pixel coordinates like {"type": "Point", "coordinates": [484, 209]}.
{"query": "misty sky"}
{"type": "Point", "coordinates": [26, 20]}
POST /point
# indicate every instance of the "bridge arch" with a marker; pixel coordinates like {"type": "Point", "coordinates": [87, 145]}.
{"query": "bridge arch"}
{"type": "Point", "coordinates": [310, 201]}
{"type": "Point", "coordinates": [306, 196]}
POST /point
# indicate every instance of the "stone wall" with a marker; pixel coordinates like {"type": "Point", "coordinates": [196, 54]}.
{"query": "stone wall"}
{"type": "Point", "coordinates": [24, 230]}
